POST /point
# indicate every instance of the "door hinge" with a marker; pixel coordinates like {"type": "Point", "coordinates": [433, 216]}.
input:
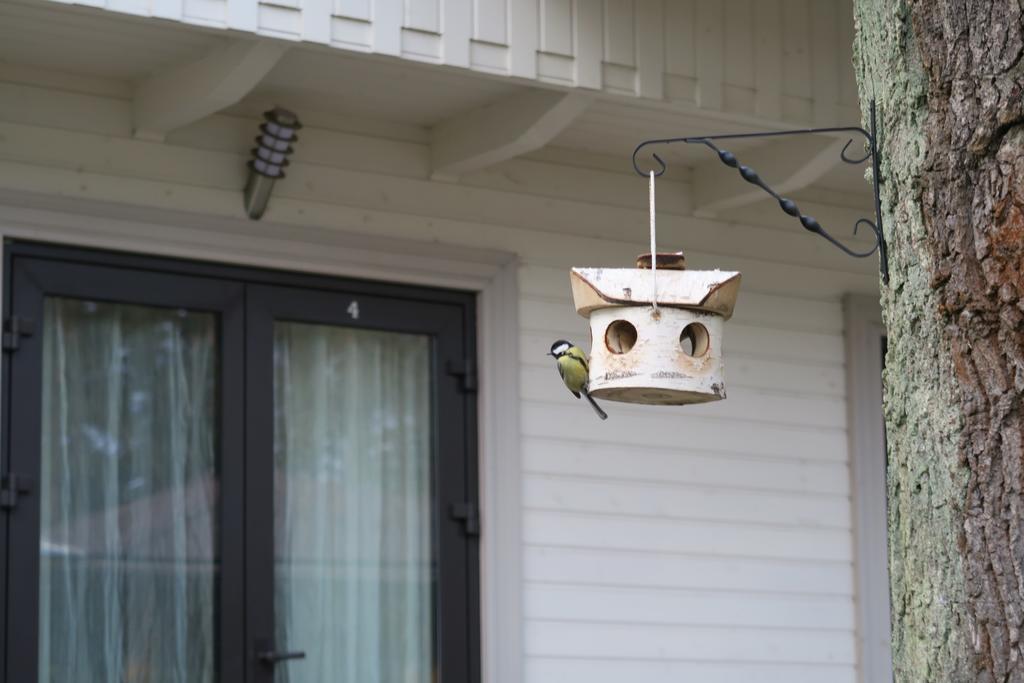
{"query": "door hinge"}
{"type": "Point", "coordinates": [465, 370]}
{"type": "Point", "coordinates": [15, 328]}
{"type": "Point", "coordinates": [12, 486]}
{"type": "Point", "coordinates": [469, 515]}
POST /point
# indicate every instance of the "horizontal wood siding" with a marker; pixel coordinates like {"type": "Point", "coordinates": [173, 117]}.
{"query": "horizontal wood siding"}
{"type": "Point", "coordinates": [782, 60]}
{"type": "Point", "coordinates": [707, 543]}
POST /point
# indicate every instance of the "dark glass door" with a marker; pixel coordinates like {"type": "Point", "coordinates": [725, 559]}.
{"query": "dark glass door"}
{"type": "Point", "coordinates": [235, 475]}
{"type": "Point", "coordinates": [124, 425]}
{"type": "Point", "coordinates": [345, 415]}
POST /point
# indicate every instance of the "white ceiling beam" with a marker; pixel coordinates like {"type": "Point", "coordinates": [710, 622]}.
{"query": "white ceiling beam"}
{"type": "Point", "coordinates": [508, 128]}
{"type": "Point", "coordinates": [187, 93]}
{"type": "Point", "coordinates": [786, 165]}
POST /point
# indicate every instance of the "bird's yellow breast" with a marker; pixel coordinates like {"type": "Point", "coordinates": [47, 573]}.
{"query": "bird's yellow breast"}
{"type": "Point", "coordinates": [574, 371]}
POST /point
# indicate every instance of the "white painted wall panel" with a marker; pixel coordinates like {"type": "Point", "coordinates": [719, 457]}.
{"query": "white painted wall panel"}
{"type": "Point", "coordinates": [244, 15]}
{"type": "Point", "coordinates": [423, 15]}
{"type": "Point", "coordinates": [556, 27]}
{"type": "Point", "coordinates": [456, 28]}
{"type": "Point", "coordinates": [523, 31]}
{"type": "Point", "coordinates": [387, 26]}
{"type": "Point", "coordinates": [355, 9]}
{"type": "Point", "coordinates": [796, 25]}
{"type": "Point", "coordinates": [205, 12]}
{"type": "Point", "coordinates": [692, 499]}
{"type": "Point", "coordinates": [282, 22]}
{"type": "Point", "coordinates": [780, 60]}
{"type": "Point", "coordinates": [140, 7]}
{"type": "Point", "coordinates": [562, 669]}
{"type": "Point", "coordinates": [740, 40]}
{"type": "Point", "coordinates": [290, 4]}
{"type": "Point", "coordinates": [679, 38]}
{"type": "Point", "coordinates": [685, 607]}
{"type": "Point", "coordinates": [316, 20]}
{"type": "Point", "coordinates": [707, 543]}
{"type": "Point", "coordinates": [844, 46]}
{"type": "Point", "coordinates": [825, 82]}
{"type": "Point", "coordinates": [643, 641]}
{"type": "Point", "coordinates": [354, 34]}
{"type": "Point", "coordinates": [619, 32]}
{"type": "Point", "coordinates": [653, 572]}
{"type": "Point", "coordinates": [650, 52]}
{"type": "Point", "coordinates": [768, 51]}
{"type": "Point", "coordinates": [614, 531]}
{"type": "Point", "coordinates": [589, 40]}
{"type": "Point", "coordinates": [168, 9]}
{"type": "Point", "coordinates": [702, 434]}
{"type": "Point", "coordinates": [710, 29]}
{"type": "Point", "coordinates": [490, 20]}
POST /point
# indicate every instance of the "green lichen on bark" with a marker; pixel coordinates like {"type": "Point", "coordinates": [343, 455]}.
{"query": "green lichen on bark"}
{"type": "Point", "coordinates": [948, 85]}
{"type": "Point", "coordinates": [925, 480]}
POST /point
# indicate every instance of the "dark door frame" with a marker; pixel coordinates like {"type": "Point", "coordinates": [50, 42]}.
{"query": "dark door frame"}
{"type": "Point", "coordinates": [267, 304]}
{"type": "Point", "coordinates": [31, 279]}
{"type": "Point", "coordinates": [243, 298]}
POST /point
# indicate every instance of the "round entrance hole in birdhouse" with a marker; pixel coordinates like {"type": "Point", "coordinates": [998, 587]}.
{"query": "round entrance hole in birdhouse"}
{"type": "Point", "coordinates": [620, 336]}
{"type": "Point", "coordinates": [694, 340]}
{"type": "Point", "coordinates": [669, 355]}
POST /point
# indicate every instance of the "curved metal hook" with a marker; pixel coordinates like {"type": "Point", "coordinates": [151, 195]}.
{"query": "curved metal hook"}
{"type": "Point", "coordinates": [816, 228]}
{"type": "Point", "coordinates": [788, 205]}
{"type": "Point", "coordinates": [842, 154]}
{"type": "Point", "coordinates": [661, 162]}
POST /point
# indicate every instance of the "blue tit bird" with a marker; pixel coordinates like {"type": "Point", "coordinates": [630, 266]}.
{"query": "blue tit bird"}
{"type": "Point", "coordinates": [575, 371]}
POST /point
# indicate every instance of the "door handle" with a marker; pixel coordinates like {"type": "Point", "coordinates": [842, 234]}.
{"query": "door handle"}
{"type": "Point", "coordinates": [270, 657]}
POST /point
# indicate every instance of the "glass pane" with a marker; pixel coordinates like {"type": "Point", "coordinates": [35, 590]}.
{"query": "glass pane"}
{"type": "Point", "coordinates": [354, 570]}
{"type": "Point", "coordinates": [129, 492]}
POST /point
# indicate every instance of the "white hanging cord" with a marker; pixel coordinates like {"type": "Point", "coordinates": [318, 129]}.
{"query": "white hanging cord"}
{"type": "Point", "coordinates": [654, 251]}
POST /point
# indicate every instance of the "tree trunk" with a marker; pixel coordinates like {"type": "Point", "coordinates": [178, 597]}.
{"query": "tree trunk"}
{"type": "Point", "coordinates": [949, 84]}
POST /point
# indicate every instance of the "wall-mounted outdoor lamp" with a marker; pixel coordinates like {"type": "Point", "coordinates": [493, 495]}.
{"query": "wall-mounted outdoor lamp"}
{"type": "Point", "coordinates": [269, 158]}
{"type": "Point", "coordinates": [788, 205]}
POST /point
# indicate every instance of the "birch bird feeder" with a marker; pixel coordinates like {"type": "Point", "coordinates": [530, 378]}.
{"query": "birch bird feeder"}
{"type": "Point", "coordinates": [656, 334]}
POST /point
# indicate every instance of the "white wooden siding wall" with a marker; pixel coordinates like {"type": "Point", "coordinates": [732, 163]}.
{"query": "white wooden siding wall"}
{"type": "Point", "coordinates": [708, 543]}
{"type": "Point", "coordinates": [780, 60]}
{"type": "Point", "coordinates": [700, 544]}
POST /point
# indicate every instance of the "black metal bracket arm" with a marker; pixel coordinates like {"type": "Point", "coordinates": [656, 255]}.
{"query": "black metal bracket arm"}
{"type": "Point", "coordinates": [788, 205]}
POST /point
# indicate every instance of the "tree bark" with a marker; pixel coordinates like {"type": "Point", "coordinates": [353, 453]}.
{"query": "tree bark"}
{"type": "Point", "coordinates": [949, 84]}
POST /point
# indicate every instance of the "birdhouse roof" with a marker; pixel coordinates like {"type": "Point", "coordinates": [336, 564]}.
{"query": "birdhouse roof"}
{"type": "Point", "coordinates": [712, 291]}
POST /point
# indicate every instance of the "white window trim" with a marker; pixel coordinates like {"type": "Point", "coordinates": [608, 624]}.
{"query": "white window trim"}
{"type": "Point", "coordinates": [493, 274]}
{"type": "Point", "coordinates": [864, 331]}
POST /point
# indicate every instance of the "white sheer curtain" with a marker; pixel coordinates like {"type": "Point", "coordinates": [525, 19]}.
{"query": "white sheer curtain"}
{"type": "Point", "coordinates": [354, 566]}
{"type": "Point", "coordinates": [128, 495]}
